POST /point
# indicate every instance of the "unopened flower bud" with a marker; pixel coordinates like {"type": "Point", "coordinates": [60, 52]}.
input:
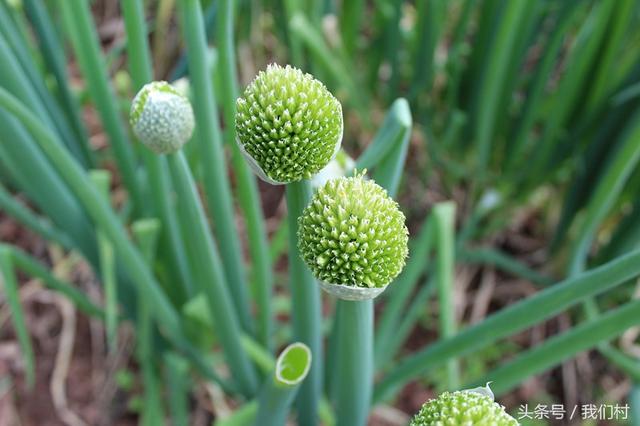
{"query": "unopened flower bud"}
{"type": "Point", "coordinates": [161, 117]}
{"type": "Point", "coordinates": [288, 125]}
{"type": "Point", "coordinates": [353, 237]}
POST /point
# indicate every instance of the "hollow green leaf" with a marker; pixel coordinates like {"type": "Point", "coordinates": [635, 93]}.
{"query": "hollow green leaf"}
{"type": "Point", "coordinates": [513, 319]}
{"type": "Point", "coordinates": [557, 349]}
{"type": "Point", "coordinates": [10, 285]}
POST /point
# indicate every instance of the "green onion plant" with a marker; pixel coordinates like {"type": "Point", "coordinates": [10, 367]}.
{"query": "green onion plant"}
{"type": "Point", "coordinates": [407, 137]}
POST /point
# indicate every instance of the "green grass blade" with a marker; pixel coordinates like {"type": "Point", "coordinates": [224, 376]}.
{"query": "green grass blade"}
{"type": "Point", "coordinates": [54, 57]}
{"type": "Point", "coordinates": [10, 285]}
{"type": "Point", "coordinates": [493, 78]}
{"type": "Point", "coordinates": [279, 239]}
{"type": "Point", "coordinates": [455, 64]}
{"type": "Point", "coordinates": [400, 291]}
{"type": "Point", "coordinates": [209, 138]}
{"type": "Point", "coordinates": [138, 54]}
{"type": "Point", "coordinates": [146, 232]}
{"type": "Point", "coordinates": [16, 82]}
{"type": "Point", "coordinates": [303, 30]}
{"type": "Point", "coordinates": [293, 8]}
{"type": "Point", "coordinates": [411, 315]}
{"type": "Point", "coordinates": [351, 15]}
{"type": "Point", "coordinates": [178, 384]}
{"type": "Point", "coordinates": [82, 32]}
{"type": "Point", "coordinates": [625, 238]}
{"type": "Point", "coordinates": [393, 46]}
{"type": "Point", "coordinates": [31, 75]}
{"type": "Point", "coordinates": [210, 276]}
{"type": "Point", "coordinates": [534, 102]}
{"type": "Point", "coordinates": [559, 348]}
{"type": "Point", "coordinates": [40, 225]}
{"type": "Point", "coordinates": [602, 84]}
{"type": "Point", "coordinates": [388, 170]}
{"type": "Point", "coordinates": [392, 133]}
{"type": "Point", "coordinates": [430, 20]}
{"type": "Point", "coordinates": [606, 193]}
{"type": "Point", "coordinates": [141, 72]}
{"type": "Point", "coordinates": [515, 318]}
{"type": "Point", "coordinates": [172, 239]}
{"type": "Point", "coordinates": [247, 191]}
{"type": "Point", "coordinates": [243, 416]}
{"type": "Point", "coordinates": [570, 88]}
{"type": "Point", "coordinates": [628, 364]}
{"type": "Point", "coordinates": [100, 212]}
{"type": "Point", "coordinates": [101, 179]}
{"type": "Point", "coordinates": [33, 268]}
{"type": "Point", "coordinates": [505, 263]}
{"type": "Point", "coordinates": [260, 356]}
{"type": "Point", "coordinates": [32, 173]}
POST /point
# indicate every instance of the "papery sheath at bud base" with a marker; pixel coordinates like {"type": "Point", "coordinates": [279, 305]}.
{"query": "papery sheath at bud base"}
{"type": "Point", "coordinates": [288, 125]}
{"type": "Point", "coordinates": [353, 237]}
{"type": "Point", "coordinates": [161, 117]}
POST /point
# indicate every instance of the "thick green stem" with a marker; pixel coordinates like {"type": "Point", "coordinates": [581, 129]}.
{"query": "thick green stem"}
{"type": "Point", "coordinates": [444, 214]}
{"type": "Point", "coordinates": [247, 188]}
{"type": "Point", "coordinates": [216, 182]}
{"type": "Point", "coordinates": [307, 316]}
{"type": "Point", "coordinates": [210, 276]}
{"type": "Point", "coordinates": [354, 363]}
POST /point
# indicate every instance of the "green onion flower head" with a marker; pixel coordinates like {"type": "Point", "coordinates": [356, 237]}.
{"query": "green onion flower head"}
{"type": "Point", "coordinates": [161, 117]}
{"type": "Point", "coordinates": [288, 125]}
{"type": "Point", "coordinates": [463, 408]}
{"type": "Point", "coordinates": [353, 237]}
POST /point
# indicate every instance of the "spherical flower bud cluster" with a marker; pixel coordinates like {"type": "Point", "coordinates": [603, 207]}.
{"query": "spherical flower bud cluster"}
{"type": "Point", "coordinates": [353, 237]}
{"type": "Point", "coordinates": [288, 125]}
{"type": "Point", "coordinates": [462, 408]}
{"type": "Point", "coordinates": [161, 117]}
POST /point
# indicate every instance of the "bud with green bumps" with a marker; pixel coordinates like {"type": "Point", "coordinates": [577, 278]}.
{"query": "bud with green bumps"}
{"type": "Point", "coordinates": [288, 125]}
{"type": "Point", "coordinates": [353, 237]}
{"type": "Point", "coordinates": [161, 117]}
{"type": "Point", "coordinates": [463, 408]}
